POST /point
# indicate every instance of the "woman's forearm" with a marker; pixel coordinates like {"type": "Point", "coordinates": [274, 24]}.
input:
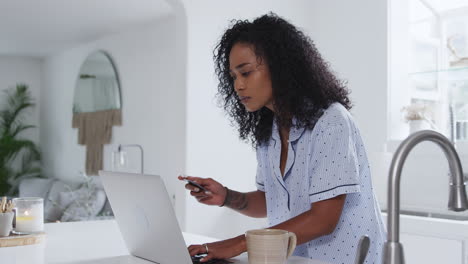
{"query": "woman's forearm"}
{"type": "Point", "coordinates": [320, 220]}
{"type": "Point", "coordinates": [252, 204]}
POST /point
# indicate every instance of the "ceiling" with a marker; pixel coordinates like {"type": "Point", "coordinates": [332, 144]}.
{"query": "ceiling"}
{"type": "Point", "coordinates": [38, 28]}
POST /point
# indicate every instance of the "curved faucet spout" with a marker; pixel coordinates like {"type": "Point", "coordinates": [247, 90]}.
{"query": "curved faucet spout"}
{"type": "Point", "coordinates": [393, 250]}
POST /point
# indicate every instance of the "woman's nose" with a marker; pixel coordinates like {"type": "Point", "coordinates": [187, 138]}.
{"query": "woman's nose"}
{"type": "Point", "coordinates": [239, 85]}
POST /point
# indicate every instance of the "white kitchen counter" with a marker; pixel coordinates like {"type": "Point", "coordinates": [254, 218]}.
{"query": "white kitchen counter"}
{"type": "Point", "coordinates": [86, 242]}
{"type": "Point", "coordinates": [433, 240]}
{"type": "Point", "coordinates": [425, 240]}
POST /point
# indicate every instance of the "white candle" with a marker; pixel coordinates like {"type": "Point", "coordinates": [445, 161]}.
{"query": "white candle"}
{"type": "Point", "coordinates": [29, 216]}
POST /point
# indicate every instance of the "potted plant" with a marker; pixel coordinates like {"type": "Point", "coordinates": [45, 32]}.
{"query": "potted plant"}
{"type": "Point", "coordinates": [19, 157]}
{"type": "Point", "coordinates": [417, 115]}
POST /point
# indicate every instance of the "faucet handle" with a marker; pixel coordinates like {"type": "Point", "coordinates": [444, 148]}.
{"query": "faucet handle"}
{"type": "Point", "coordinates": [362, 249]}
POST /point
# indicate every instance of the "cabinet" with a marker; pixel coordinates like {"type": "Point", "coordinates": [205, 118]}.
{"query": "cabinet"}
{"type": "Point", "coordinates": [439, 90]}
{"type": "Point", "coordinates": [432, 250]}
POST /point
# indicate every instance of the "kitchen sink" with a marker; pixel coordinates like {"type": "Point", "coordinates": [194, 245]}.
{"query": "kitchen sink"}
{"type": "Point", "coordinates": [441, 215]}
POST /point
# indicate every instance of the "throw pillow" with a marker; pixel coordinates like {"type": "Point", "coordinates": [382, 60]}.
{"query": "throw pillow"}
{"type": "Point", "coordinates": [82, 204]}
{"type": "Point", "coordinates": [53, 207]}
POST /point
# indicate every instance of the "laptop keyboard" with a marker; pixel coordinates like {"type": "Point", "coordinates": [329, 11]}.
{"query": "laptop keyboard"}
{"type": "Point", "coordinates": [196, 260]}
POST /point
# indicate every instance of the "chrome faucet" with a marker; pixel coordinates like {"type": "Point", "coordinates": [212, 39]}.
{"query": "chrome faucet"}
{"type": "Point", "coordinates": [393, 249]}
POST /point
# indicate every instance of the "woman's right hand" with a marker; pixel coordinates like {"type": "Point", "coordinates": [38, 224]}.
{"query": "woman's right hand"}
{"type": "Point", "coordinates": [215, 194]}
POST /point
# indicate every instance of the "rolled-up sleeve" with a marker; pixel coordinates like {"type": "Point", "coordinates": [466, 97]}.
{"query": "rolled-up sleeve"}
{"type": "Point", "coordinates": [260, 178]}
{"type": "Point", "coordinates": [334, 166]}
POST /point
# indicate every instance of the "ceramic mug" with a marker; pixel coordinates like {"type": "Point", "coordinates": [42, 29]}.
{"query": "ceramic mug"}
{"type": "Point", "coordinates": [6, 223]}
{"type": "Point", "coordinates": [272, 246]}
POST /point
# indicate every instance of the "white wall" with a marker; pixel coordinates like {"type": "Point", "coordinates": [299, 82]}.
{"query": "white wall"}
{"type": "Point", "coordinates": [150, 61]}
{"type": "Point", "coordinates": [353, 36]}
{"type": "Point", "coordinates": [27, 70]}
{"type": "Point", "coordinates": [350, 34]}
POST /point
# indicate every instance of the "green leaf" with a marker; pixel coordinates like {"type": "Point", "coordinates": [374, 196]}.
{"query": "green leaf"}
{"type": "Point", "coordinates": [18, 100]}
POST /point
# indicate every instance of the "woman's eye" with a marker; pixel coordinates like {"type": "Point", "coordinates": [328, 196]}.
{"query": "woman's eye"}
{"type": "Point", "coordinates": [245, 74]}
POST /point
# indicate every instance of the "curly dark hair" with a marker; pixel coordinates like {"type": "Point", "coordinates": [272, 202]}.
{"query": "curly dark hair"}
{"type": "Point", "coordinates": [302, 83]}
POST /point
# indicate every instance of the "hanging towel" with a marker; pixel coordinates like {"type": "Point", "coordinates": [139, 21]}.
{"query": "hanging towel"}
{"type": "Point", "coordinates": [95, 130]}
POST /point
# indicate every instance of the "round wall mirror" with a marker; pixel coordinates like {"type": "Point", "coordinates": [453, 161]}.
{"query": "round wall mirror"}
{"type": "Point", "coordinates": [97, 86]}
{"type": "Point", "coordinates": [96, 107]}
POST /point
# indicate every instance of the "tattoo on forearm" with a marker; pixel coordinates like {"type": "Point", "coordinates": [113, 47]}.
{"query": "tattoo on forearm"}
{"type": "Point", "coordinates": [236, 200]}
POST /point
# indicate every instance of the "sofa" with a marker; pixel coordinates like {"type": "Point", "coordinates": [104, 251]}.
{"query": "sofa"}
{"type": "Point", "coordinates": [69, 201]}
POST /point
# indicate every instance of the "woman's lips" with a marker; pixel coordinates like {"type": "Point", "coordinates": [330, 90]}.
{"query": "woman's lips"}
{"type": "Point", "coordinates": [244, 99]}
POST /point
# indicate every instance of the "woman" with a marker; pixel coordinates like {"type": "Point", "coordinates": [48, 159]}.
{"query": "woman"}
{"type": "Point", "coordinates": [313, 176]}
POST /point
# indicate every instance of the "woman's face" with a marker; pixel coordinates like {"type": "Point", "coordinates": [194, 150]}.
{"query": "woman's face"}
{"type": "Point", "coordinates": [251, 76]}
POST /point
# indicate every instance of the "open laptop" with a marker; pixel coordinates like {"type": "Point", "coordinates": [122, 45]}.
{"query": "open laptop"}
{"type": "Point", "coordinates": [145, 217]}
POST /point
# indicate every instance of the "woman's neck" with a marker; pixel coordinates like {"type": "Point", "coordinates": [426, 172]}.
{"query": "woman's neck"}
{"type": "Point", "coordinates": [284, 134]}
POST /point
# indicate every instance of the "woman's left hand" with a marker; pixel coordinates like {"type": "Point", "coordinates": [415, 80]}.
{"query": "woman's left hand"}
{"type": "Point", "coordinates": [220, 250]}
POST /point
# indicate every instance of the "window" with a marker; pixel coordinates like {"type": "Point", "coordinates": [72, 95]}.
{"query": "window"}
{"type": "Point", "coordinates": [428, 67]}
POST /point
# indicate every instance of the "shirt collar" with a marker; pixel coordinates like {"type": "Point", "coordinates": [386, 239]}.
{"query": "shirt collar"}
{"type": "Point", "coordinates": [294, 133]}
